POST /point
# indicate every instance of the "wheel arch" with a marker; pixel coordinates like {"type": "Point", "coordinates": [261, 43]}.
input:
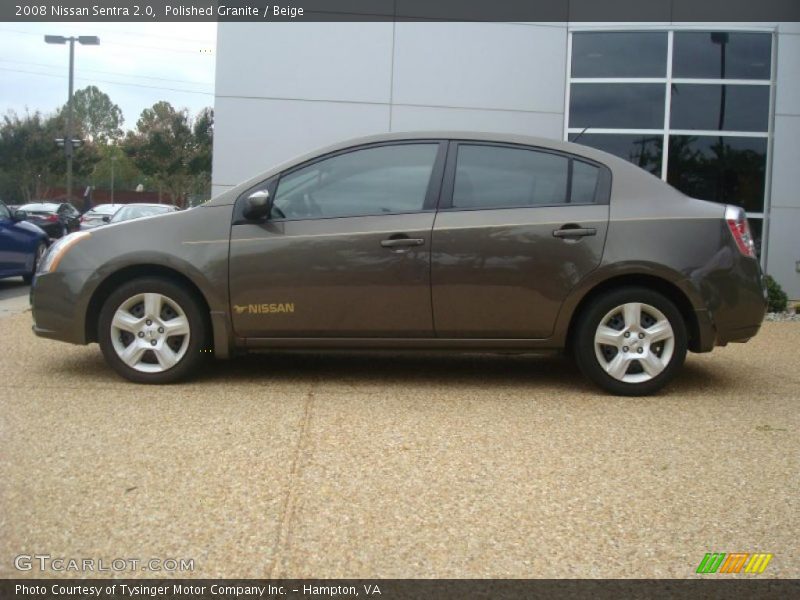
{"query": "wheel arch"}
{"type": "Point", "coordinates": [664, 286]}
{"type": "Point", "coordinates": [115, 279]}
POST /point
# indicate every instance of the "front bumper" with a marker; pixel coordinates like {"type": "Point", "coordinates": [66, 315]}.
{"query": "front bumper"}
{"type": "Point", "coordinates": [56, 306]}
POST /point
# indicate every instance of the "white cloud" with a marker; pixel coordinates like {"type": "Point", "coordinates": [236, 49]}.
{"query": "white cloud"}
{"type": "Point", "coordinates": [136, 64]}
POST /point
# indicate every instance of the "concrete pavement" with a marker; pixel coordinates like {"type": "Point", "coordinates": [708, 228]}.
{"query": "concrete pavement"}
{"type": "Point", "coordinates": [399, 466]}
{"type": "Point", "coordinates": [13, 296]}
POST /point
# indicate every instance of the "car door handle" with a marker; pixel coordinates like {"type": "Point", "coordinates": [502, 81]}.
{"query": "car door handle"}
{"type": "Point", "coordinates": [402, 242]}
{"type": "Point", "coordinates": [574, 232]}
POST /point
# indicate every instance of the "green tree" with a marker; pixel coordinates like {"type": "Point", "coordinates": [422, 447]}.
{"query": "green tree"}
{"type": "Point", "coordinates": [96, 115]}
{"type": "Point", "coordinates": [31, 162]}
{"type": "Point", "coordinates": [173, 150]}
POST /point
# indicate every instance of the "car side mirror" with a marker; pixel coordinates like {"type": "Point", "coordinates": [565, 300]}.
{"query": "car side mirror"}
{"type": "Point", "coordinates": [257, 206]}
{"type": "Point", "coordinates": [106, 219]}
{"type": "Point", "coordinates": [20, 215]}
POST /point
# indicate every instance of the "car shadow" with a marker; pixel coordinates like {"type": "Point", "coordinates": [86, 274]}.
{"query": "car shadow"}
{"type": "Point", "coordinates": [557, 373]}
{"type": "Point", "coordinates": [423, 368]}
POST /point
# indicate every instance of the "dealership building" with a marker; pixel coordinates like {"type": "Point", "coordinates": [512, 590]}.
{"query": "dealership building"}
{"type": "Point", "coordinates": [712, 108]}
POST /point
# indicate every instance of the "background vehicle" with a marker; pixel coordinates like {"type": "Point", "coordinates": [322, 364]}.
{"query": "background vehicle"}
{"type": "Point", "coordinates": [56, 219]}
{"type": "Point", "coordinates": [94, 217]}
{"type": "Point", "coordinates": [470, 242]}
{"type": "Point", "coordinates": [22, 245]}
{"type": "Point", "coordinates": [137, 211]}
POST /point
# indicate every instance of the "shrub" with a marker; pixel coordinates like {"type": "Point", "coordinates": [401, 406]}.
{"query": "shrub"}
{"type": "Point", "coordinates": [777, 299]}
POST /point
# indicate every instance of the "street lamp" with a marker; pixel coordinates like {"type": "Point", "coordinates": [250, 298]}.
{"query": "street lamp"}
{"type": "Point", "coordinates": [68, 142]}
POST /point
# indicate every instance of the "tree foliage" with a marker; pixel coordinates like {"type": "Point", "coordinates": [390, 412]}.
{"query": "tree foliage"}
{"type": "Point", "coordinates": [173, 150]}
{"type": "Point", "coordinates": [169, 151]}
{"type": "Point", "coordinates": [31, 162]}
{"type": "Point", "coordinates": [96, 115]}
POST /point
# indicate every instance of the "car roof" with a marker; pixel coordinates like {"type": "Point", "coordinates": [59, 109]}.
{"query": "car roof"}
{"type": "Point", "coordinates": [613, 162]}
{"type": "Point", "coordinates": [105, 207]}
{"type": "Point", "coordinates": [151, 204]}
{"type": "Point", "coordinates": [42, 205]}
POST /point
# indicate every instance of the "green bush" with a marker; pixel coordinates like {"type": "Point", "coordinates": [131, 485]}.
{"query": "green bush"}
{"type": "Point", "coordinates": [777, 299]}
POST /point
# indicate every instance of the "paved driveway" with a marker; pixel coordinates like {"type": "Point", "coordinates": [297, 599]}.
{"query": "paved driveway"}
{"type": "Point", "coordinates": [312, 466]}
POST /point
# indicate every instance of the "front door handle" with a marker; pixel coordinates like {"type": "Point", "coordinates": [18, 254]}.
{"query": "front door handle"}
{"type": "Point", "coordinates": [402, 242]}
{"type": "Point", "coordinates": [574, 232]}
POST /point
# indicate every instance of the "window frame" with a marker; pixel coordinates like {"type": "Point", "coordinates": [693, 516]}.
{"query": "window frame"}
{"type": "Point", "coordinates": [666, 131]}
{"type": "Point", "coordinates": [431, 194]}
{"type": "Point", "coordinates": [602, 192]}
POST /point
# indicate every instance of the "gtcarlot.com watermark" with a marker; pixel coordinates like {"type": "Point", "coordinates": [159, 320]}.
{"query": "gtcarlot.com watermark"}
{"type": "Point", "coordinates": [46, 563]}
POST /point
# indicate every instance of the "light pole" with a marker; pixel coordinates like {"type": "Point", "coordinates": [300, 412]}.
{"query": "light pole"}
{"type": "Point", "coordinates": [113, 161]}
{"type": "Point", "coordinates": [69, 143]}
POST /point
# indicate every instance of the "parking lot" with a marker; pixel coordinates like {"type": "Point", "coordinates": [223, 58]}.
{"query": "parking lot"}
{"type": "Point", "coordinates": [399, 466]}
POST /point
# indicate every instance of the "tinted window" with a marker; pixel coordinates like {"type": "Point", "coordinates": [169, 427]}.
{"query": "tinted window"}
{"type": "Point", "coordinates": [4, 212]}
{"type": "Point", "coordinates": [382, 180]}
{"type": "Point", "coordinates": [615, 105]}
{"type": "Point", "coordinates": [608, 54]}
{"type": "Point", "coordinates": [721, 55]}
{"type": "Point", "coordinates": [584, 182]}
{"type": "Point", "coordinates": [724, 169]}
{"type": "Point", "coordinates": [720, 107]}
{"type": "Point", "coordinates": [642, 150]}
{"type": "Point", "coordinates": [495, 177]}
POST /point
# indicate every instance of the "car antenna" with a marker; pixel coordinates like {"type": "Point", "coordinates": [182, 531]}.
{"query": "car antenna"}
{"type": "Point", "coordinates": [580, 134]}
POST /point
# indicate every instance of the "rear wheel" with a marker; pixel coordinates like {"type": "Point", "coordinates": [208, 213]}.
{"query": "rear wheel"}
{"type": "Point", "coordinates": [630, 341]}
{"type": "Point", "coordinates": [153, 331]}
{"type": "Point", "coordinates": [40, 250]}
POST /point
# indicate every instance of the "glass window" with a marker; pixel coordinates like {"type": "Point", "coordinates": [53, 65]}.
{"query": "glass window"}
{"type": "Point", "coordinates": [497, 177]}
{"type": "Point", "coordinates": [642, 150]}
{"type": "Point", "coordinates": [4, 212]}
{"type": "Point", "coordinates": [723, 169]}
{"type": "Point", "coordinates": [584, 182]}
{"type": "Point", "coordinates": [616, 105]}
{"type": "Point", "coordinates": [721, 55]}
{"type": "Point", "coordinates": [372, 181]}
{"type": "Point", "coordinates": [720, 107]}
{"type": "Point", "coordinates": [608, 54]}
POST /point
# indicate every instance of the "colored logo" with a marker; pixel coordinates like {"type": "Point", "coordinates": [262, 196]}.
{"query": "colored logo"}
{"type": "Point", "coordinates": [720, 562]}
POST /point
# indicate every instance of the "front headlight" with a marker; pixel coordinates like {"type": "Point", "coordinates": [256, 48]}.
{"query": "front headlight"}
{"type": "Point", "coordinates": [57, 251]}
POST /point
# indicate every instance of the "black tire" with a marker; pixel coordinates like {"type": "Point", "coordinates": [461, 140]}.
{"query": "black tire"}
{"type": "Point", "coordinates": [196, 349]}
{"type": "Point", "coordinates": [589, 356]}
{"type": "Point", "coordinates": [40, 250]}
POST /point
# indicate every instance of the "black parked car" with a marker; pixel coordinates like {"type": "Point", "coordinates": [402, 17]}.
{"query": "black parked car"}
{"type": "Point", "coordinates": [57, 219]}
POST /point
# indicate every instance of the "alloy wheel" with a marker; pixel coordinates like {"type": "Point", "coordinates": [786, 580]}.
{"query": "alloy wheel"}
{"type": "Point", "coordinates": [634, 342]}
{"type": "Point", "coordinates": [150, 332]}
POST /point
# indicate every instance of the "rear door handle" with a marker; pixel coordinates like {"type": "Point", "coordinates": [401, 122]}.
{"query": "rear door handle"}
{"type": "Point", "coordinates": [402, 242]}
{"type": "Point", "coordinates": [574, 232]}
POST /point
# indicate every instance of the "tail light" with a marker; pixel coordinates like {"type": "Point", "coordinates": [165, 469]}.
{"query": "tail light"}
{"type": "Point", "coordinates": [51, 218]}
{"type": "Point", "coordinates": [740, 230]}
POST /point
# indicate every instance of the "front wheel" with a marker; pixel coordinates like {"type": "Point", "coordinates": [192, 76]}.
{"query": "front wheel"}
{"type": "Point", "coordinates": [630, 341]}
{"type": "Point", "coordinates": [153, 331]}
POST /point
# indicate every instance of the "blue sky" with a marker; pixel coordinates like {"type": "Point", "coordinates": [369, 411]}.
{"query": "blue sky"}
{"type": "Point", "coordinates": [136, 64]}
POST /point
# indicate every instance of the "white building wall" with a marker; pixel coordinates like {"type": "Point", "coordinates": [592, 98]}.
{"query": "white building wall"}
{"type": "Point", "coordinates": [783, 251]}
{"type": "Point", "coordinates": [286, 88]}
